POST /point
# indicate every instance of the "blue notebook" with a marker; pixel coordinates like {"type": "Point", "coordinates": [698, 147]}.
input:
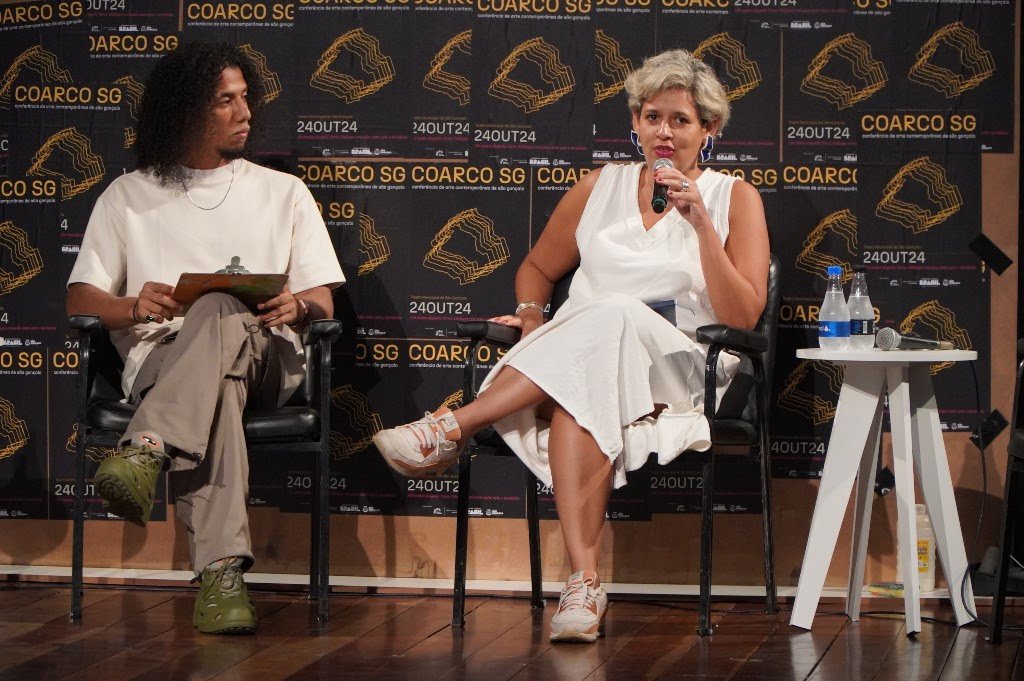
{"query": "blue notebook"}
{"type": "Point", "coordinates": [665, 308]}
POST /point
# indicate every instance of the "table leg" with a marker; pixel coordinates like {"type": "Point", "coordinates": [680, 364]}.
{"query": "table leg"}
{"type": "Point", "coordinates": [864, 499]}
{"type": "Point", "coordinates": [933, 466]}
{"type": "Point", "coordinates": [858, 401]}
{"type": "Point", "coordinates": [897, 378]}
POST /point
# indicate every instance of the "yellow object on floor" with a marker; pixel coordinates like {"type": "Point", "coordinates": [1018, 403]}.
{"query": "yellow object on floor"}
{"type": "Point", "coordinates": [887, 589]}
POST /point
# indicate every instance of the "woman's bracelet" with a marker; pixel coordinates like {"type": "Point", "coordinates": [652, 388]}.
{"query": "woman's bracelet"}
{"type": "Point", "coordinates": [522, 306]}
{"type": "Point", "coordinates": [135, 307]}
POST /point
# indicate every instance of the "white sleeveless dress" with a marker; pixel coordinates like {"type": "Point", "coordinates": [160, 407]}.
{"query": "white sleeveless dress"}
{"type": "Point", "coordinates": [606, 357]}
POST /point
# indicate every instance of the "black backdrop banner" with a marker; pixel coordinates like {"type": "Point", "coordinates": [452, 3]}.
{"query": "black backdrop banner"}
{"type": "Point", "coordinates": [437, 136]}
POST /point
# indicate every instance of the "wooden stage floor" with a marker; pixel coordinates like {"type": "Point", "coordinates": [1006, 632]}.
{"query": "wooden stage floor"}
{"type": "Point", "coordinates": [147, 634]}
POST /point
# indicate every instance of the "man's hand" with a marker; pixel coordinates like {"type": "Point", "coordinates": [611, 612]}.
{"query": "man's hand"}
{"type": "Point", "coordinates": [155, 304]}
{"type": "Point", "coordinates": [284, 309]}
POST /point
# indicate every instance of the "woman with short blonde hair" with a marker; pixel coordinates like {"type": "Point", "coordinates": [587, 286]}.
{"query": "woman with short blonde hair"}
{"type": "Point", "coordinates": [584, 398]}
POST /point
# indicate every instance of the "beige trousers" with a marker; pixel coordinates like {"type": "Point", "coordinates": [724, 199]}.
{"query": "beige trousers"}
{"type": "Point", "coordinates": [192, 391]}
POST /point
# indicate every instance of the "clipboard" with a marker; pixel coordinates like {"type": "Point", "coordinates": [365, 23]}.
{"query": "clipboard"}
{"type": "Point", "coordinates": [251, 289]}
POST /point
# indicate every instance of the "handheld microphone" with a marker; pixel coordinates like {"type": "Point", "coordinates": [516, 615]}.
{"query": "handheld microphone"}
{"type": "Point", "coordinates": [888, 339]}
{"type": "Point", "coordinates": [659, 201]}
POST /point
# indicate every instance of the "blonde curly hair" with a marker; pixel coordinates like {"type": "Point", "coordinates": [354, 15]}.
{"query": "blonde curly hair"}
{"type": "Point", "coordinates": [678, 69]}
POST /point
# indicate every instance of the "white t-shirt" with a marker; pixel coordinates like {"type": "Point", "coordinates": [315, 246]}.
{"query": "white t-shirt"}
{"type": "Point", "coordinates": [140, 231]}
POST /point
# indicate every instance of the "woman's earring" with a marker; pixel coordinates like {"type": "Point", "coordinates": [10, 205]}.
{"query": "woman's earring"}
{"type": "Point", "coordinates": [635, 139]}
{"type": "Point", "coordinates": [705, 151]}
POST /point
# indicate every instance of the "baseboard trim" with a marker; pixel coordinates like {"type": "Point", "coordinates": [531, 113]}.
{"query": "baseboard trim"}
{"type": "Point", "coordinates": [410, 585]}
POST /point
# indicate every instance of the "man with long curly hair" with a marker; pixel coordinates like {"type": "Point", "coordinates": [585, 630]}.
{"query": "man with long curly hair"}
{"type": "Point", "coordinates": [193, 205]}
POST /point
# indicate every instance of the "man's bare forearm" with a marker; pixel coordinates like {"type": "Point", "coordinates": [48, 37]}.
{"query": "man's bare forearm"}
{"type": "Point", "coordinates": [115, 312]}
{"type": "Point", "coordinates": [320, 302]}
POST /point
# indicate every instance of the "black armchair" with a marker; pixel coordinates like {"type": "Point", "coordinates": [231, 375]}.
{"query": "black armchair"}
{"type": "Point", "coordinates": [740, 422]}
{"type": "Point", "coordinates": [1012, 505]}
{"type": "Point", "coordinates": [302, 426]}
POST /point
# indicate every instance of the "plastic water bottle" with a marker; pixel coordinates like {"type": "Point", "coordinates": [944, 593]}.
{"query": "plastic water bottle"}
{"type": "Point", "coordinates": [925, 551]}
{"type": "Point", "coordinates": [834, 316]}
{"type": "Point", "coordinates": [862, 315]}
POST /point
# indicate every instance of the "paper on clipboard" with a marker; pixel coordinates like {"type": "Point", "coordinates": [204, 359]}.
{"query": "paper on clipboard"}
{"type": "Point", "coordinates": [251, 289]}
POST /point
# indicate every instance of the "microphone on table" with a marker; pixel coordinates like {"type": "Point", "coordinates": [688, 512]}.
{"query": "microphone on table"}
{"type": "Point", "coordinates": [888, 339]}
{"type": "Point", "coordinates": [660, 199]}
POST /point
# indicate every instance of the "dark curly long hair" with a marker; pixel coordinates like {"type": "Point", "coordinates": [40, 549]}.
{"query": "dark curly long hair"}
{"type": "Point", "coordinates": [176, 105]}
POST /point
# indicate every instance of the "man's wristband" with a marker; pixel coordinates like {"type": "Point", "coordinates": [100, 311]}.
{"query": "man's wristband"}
{"type": "Point", "coordinates": [301, 321]}
{"type": "Point", "coordinates": [522, 306]}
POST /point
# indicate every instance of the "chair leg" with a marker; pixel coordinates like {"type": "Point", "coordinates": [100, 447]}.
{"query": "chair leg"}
{"type": "Point", "coordinates": [533, 523]}
{"type": "Point", "coordinates": [461, 539]}
{"type": "Point", "coordinates": [314, 536]}
{"type": "Point", "coordinates": [323, 523]}
{"type": "Point", "coordinates": [766, 516]}
{"type": "Point", "coordinates": [707, 519]}
{"type": "Point", "coordinates": [78, 529]}
{"type": "Point", "coordinates": [1013, 479]}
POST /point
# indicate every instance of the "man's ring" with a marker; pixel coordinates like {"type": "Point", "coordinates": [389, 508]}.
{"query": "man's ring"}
{"type": "Point", "coordinates": [685, 185]}
{"type": "Point", "coordinates": [149, 318]}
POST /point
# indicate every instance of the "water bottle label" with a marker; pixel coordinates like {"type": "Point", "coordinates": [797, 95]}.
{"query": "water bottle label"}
{"type": "Point", "coordinates": [834, 329]}
{"type": "Point", "coordinates": [862, 327]}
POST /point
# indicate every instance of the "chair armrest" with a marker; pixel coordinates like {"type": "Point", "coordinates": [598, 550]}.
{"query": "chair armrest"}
{"type": "Point", "coordinates": [322, 329]}
{"type": "Point", "coordinates": [1016, 446]}
{"type": "Point", "coordinates": [733, 339]}
{"type": "Point", "coordinates": [85, 322]}
{"type": "Point", "coordinates": [492, 332]}
{"type": "Point", "coordinates": [99, 364]}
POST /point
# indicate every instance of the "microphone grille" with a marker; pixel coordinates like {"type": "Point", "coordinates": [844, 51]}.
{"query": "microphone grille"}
{"type": "Point", "coordinates": [887, 339]}
{"type": "Point", "coordinates": [662, 163]}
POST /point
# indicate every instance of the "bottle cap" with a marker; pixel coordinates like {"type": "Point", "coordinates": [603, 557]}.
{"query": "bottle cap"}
{"type": "Point", "coordinates": [860, 269]}
{"type": "Point", "coordinates": [834, 271]}
{"type": "Point", "coordinates": [921, 509]}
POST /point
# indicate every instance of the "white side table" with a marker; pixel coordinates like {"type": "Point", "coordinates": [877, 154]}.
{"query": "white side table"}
{"type": "Point", "coordinates": [852, 454]}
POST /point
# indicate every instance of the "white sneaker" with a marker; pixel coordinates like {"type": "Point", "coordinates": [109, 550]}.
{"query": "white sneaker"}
{"type": "Point", "coordinates": [422, 448]}
{"type": "Point", "coordinates": [581, 609]}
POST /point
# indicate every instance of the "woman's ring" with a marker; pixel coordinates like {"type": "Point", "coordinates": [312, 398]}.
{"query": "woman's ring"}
{"type": "Point", "coordinates": [149, 318]}
{"type": "Point", "coordinates": [685, 185]}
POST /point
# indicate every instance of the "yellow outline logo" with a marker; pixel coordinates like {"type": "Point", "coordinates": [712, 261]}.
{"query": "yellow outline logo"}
{"type": "Point", "coordinates": [941, 324]}
{"type": "Point", "coordinates": [492, 248]}
{"type": "Point", "coordinates": [973, 57]}
{"type": "Point", "coordinates": [35, 59]}
{"type": "Point", "coordinates": [917, 219]}
{"type": "Point", "coordinates": [133, 89]}
{"type": "Point", "coordinates": [842, 223]}
{"type": "Point", "coordinates": [804, 402]}
{"type": "Point", "coordinates": [556, 78]}
{"type": "Point", "coordinates": [737, 65]}
{"type": "Point", "coordinates": [373, 244]}
{"type": "Point", "coordinates": [358, 417]}
{"type": "Point", "coordinates": [865, 68]}
{"type": "Point", "coordinates": [25, 260]}
{"type": "Point", "coordinates": [13, 431]}
{"type": "Point", "coordinates": [612, 67]}
{"type": "Point", "coordinates": [377, 68]}
{"type": "Point", "coordinates": [96, 454]}
{"type": "Point", "coordinates": [271, 83]}
{"type": "Point", "coordinates": [76, 145]}
{"type": "Point", "coordinates": [453, 401]}
{"type": "Point", "coordinates": [452, 85]}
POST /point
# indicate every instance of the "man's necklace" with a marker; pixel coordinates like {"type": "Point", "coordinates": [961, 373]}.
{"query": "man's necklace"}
{"type": "Point", "coordinates": [222, 199]}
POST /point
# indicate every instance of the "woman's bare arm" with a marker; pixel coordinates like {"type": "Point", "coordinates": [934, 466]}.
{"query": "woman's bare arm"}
{"type": "Point", "coordinates": [554, 254]}
{"type": "Point", "coordinates": [737, 274]}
